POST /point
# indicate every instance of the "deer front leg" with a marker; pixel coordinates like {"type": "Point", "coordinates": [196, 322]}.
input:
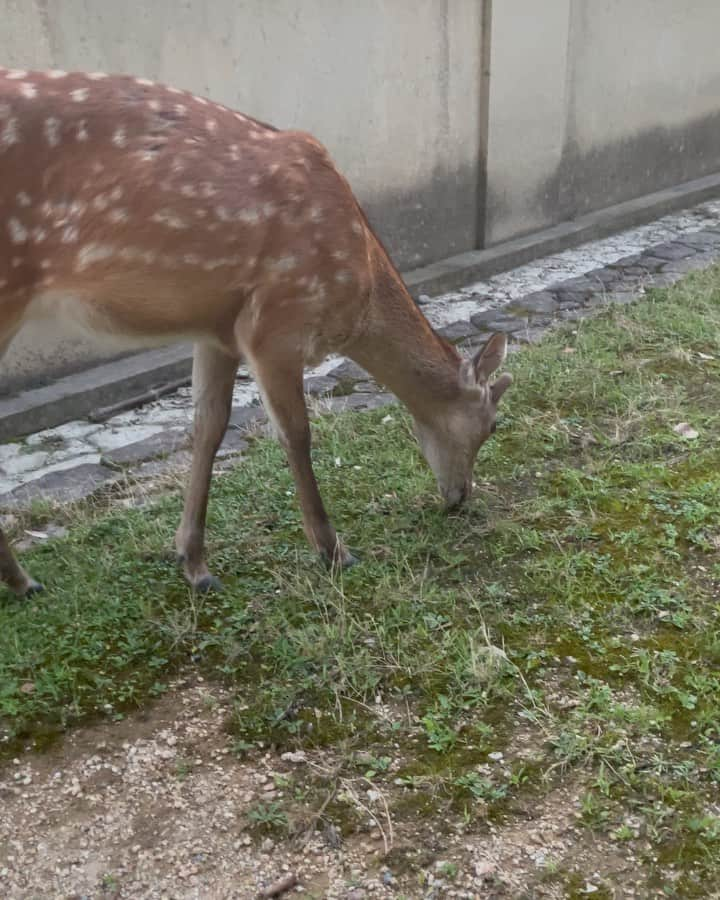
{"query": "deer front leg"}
{"type": "Point", "coordinates": [281, 383]}
{"type": "Point", "coordinates": [213, 379]}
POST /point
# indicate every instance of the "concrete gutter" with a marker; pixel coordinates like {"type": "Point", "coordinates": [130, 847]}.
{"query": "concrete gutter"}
{"type": "Point", "coordinates": [131, 380]}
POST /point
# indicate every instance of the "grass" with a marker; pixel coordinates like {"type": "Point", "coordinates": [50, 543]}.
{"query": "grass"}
{"type": "Point", "coordinates": [575, 602]}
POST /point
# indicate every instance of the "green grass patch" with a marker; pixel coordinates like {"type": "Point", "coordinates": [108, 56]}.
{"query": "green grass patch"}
{"type": "Point", "coordinates": [576, 599]}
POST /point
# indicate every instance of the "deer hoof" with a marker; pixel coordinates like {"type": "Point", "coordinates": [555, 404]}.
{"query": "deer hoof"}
{"type": "Point", "coordinates": [33, 587]}
{"type": "Point", "coordinates": [207, 583]}
{"type": "Point", "coordinates": [342, 560]}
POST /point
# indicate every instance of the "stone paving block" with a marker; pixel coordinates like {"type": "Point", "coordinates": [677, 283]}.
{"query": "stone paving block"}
{"type": "Point", "coordinates": [626, 261]}
{"type": "Point", "coordinates": [162, 444]}
{"type": "Point", "coordinates": [537, 302]}
{"type": "Point", "coordinates": [233, 443]}
{"type": "Point", "coordinates": [319, 385]}
{"type": "Point", "coordinates": [65, 486]}
{"type": "Point", "coordinates": [702, 240]}
{"type": "Point", "coordinates": [673, 250]}
{"type": "Point", "coordinates": [457, 331]}
{"type": "Point", "coordinates": [651, 264]}
{"type": "Point", "coordinates": [496, 320]}
{"type": "Point", "coordinates": [247, 417]}
{"type": "Point", "coordinates": [685, 266]}
{"type": "Point", "coordinates": [348, 372]}
{"type": "Point", "coordinates": [605, 277]}
{"type": "Point", "coordinates": [359, 402]}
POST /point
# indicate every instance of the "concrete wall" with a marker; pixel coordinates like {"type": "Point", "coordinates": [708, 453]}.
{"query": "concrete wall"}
{"type": "Point", "coordinates": [391, 87]}
{"type": "Point", "coordinates": [597, 101]}
{"type": "Point", "coordinates": [460, 123]}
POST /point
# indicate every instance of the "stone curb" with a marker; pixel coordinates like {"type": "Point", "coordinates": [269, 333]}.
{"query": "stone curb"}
{"type": "Point", "coordinates": [110, 384]}
{"type": "Point", "coordinates": [348, 387]}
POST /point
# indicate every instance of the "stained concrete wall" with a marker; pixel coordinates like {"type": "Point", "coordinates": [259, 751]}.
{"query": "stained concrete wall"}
{"type": "Point", "coordinates": [597, 101]}
{"type": "Point", "coordinates": [460, 123]}
{"type": "Point", "coordinates": [390, 86]}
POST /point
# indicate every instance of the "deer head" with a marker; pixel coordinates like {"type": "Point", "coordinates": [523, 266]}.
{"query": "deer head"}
{"type": "Point", "coordinates": [451, 438]}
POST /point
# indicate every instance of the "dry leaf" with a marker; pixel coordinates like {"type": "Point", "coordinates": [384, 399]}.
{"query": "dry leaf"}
{"type": "Point", "coordinates": [27, 688]}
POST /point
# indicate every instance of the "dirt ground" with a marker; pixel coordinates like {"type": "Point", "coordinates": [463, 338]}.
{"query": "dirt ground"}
{"type": "Point", "coordinates": [158, 806]}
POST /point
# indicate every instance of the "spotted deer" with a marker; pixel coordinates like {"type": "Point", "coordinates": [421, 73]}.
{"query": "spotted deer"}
{"type": "Point", "coordinates": [148, 215]}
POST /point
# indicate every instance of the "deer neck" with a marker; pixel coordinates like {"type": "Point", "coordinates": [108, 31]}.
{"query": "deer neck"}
{"type": "Point", "coordinates": [400, 350]}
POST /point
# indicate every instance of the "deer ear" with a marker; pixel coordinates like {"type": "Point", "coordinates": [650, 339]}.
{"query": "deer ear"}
{"type": "Point", "coordinates": [500, 386]}
{"type": "Point", "coordinates": [489, 358]}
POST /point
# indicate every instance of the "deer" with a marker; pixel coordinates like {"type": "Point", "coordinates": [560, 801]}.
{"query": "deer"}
{"type": "Point", "coordinates": [145, 215]}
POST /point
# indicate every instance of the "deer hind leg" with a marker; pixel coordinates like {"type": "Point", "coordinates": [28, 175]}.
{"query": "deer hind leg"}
{"type": "Point", "coordinates": [280, 378]}
{"type": "Point", "coordinates": [213, 379]}
{"type": "Point", "coordinates": [11, 572]}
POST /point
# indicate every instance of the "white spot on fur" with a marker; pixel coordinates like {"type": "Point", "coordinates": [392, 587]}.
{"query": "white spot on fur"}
{"type": "Point", "coordinates": [169, 218]}
{"type": "Point", "coordinates": [92, 253]}
{"type": "Point", "coordinates": [174, 90]}
{"type": "Point", "coordinates": [51, 130]}
{"type": "Point", "coordinates": [254, 180]}
{"type": "Point", "coordinates": [188, 190]}
{"type": "Point", "coordinates": [98, 167]}
{"type": "Point", "coordinates": [80, 95]}
{"type": "Point", "coordinates": [207, 190]}
{"type": "Point", "coordinates": [145, 82]}
{"type": "Point", "coordinates": [240, 117]}
{"type": "Point", "coordinates": [201, 100]}
{"type": "Point", "coordinates": [234, 154]}
{"type": "Point", "coordinates": [82, 132]}
{"type": "Point", "coordinates": [16, 74]}
{"type": "Point", "coordinates": [211, 125]}
{"type": "Point", "coordinates": [155, 105]}
{"type": "Point", "coordinates": [101, 202]}
{"type": "Point", "coordinates": [249, 216]}
{"type": "Point", "coordinates": [18, 232]}
{"type": "Point", "coordinates": [56, 73]}
{"type": "Point", "coordinates": [118, 216]}
{"type": "Point", "coordinates": [70, 235]}
{"type": "Point", "coordinates": [29, 91]}
{"type": "Point", "coordinates": [191, 259]}
{"type": "Point", "coordinates": [38, 235]}
{"type": "Point", "coordinates": [223, 214]}
{"type": "Point", "coordinates": [356, 228]}
{"type": "Point", "coordinates": [23, 199]}
{"type": "Point", "coordinates": [343, 276]}
{"type": "Point", "coordinates": [97, 76]}
{"type": "Point", "coordinates": [315, 215]}
{"type": "Point", "coordinates": [282, 264]}
{"type": "Point", "coordinates": [180, 109]}
{"type": "Point", "coordinates": [116, 193]}
{"type": "Point", "coordinates": [119, 137]}
{"type": "Point", "coordinates": [46, 264]}
{"type": "Point", "coordinates": [340, 255]}
{"type": "Point", "coordinates": [10, 134]}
